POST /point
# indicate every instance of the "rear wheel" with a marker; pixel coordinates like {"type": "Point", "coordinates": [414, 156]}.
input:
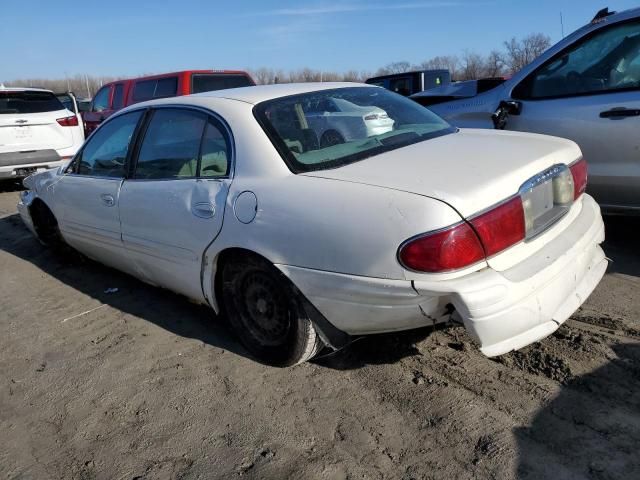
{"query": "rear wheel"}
{"type": "Point", "coordinates": [267, 313]}
{"type": "Point", "coordinates": [330, 138]}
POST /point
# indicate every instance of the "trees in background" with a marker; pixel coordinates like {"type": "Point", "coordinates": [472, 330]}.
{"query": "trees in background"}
{"type": "Point", "coordinates": [516, 53]}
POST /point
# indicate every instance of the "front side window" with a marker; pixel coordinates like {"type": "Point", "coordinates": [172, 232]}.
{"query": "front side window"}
{"type": "Point", "coordinates": [101, 100]}
{"type": "Point", "coordinates": [171, 145]}
{"type": "Point", "coordinates": [361, 122]}
{"type": "Point", "coordinates": [608, 61]}
{"type": "Point", "coordinates": [29, 102]}
{"type": "Point", "coordinates": [105, 153]}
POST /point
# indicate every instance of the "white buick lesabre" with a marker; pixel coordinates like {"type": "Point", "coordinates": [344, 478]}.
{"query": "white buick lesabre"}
{"type": "Point", "coordinates": [231, 199]}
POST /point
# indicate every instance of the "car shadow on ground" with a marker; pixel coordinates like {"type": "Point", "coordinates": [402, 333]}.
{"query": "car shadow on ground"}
{"type": "Point", "coordinates": [173, 312]}
{"type": "Point", "coordinates": [622, 237]}
{"type": "Point", "coordinates": [590, 429]}
{"type": "Point", "coordinates": [12, 185]}
{"type": "Point", "coordinates": [161, 307]}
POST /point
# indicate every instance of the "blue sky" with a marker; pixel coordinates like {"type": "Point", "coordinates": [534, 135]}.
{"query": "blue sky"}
{"type": "Point", "coordinates": [49, 39]}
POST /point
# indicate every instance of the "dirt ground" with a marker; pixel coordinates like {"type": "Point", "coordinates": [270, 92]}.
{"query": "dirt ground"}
{"type": "Point", "coordinates": [149, 386]}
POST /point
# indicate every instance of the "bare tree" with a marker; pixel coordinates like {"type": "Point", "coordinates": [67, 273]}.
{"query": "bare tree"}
{"type": "Point", "coordinates": [447, 62]}
{"type": "Point", "coordinates": [522, 52]}
{"type": "Point", "coordinates": [472, 66]}
{"type": "Point", "coordinates": [494, 64]}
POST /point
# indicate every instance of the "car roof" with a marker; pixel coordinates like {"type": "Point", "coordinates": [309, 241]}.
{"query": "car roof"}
{"type": "Point", "coordinates": [23, 89]}
{"type": "Point", "coordinates": [261, 93]}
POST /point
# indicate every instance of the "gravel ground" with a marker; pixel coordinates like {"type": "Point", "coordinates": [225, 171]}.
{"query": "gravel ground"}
{"type": "Point", "coordinates": [149, 386]}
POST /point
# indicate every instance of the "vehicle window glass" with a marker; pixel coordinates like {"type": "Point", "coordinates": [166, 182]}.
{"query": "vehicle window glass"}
{"type": "Point", "coordinates": [105, 152]}
{"type": "Point", "coordinates": [166, 87]}
{"type": "Point", "coordinates": [66, 101]}
{"type": "Point", "coordinates": [370, 121]}
{"type": "Point", "coordinates": [171, 145]}
{"type": "Point", "coordinates": [605, 62]}
{"type": "Point", "coordinates": [206, 82]}
{"type": "Point", "coordinates": [144, 90]}
{"type": "Point", "coordinates": [28, 102]}
{"type": "Point", "coordinates": [401, 86]}
{"type": "Point", "coordinates": [118, 97]}
{"type": "Point", "coordinates": [215, 152]}
{"type": "Point", "coordinates": [101, 100]}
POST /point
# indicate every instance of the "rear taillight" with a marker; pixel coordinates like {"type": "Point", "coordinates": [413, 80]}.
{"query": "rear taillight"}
{"type": "Point", "coordinates": [460, 246]}
{"type": "Point", "coordinates": [449, 249]}
{"type": "Point", "coordinates": [71, 121]}
{"type": "Point", "coordinates": [579, 174]}
{"type": "Point", "coordinates": [501, 227]}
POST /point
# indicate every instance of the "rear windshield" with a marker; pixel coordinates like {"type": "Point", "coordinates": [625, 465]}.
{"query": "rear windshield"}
{"type": "Point", "coordinates": [207, 82]}
{"type": "Point", "coordinates": [29, 102]}
{"type": "Point", "coordinates": [331, 128]}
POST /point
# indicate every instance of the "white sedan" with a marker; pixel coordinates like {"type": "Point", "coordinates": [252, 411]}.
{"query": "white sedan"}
{"type": "Point", "coordinates": [307, 246]}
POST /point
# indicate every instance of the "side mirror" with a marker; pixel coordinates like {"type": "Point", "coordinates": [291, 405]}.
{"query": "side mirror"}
{"type": "Point", "coordinates": [501, 115]}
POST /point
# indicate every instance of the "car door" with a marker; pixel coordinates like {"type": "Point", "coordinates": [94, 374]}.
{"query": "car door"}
{"type": "Point", "coordinates": [172, 206]}
{"type": "Point", "coordinates": [590, 93]}
{"type": "Point", "coordinates": [99, 110]}
{"type": "Point", "coordinates": [86, 197]}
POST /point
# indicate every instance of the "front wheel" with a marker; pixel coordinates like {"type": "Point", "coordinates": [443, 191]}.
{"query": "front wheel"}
{"type": "Point", "coordinates": [266, 312]}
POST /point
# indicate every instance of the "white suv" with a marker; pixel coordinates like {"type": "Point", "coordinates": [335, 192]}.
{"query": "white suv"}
{"type": "Point", "coordinates": [36, 132]}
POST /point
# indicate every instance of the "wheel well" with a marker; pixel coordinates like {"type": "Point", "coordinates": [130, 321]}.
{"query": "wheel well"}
{"type": "Point", "coordinates": [44, 221]}
{"type": "Point", "coordinates": [224, 258]}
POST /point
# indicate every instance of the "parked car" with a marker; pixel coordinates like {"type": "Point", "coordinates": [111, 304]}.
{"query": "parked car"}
{"type": "Point", "coordinates": [335, 120]}
{"type": "Point", "coordinates": [122, 93]}
{"type": "Point", "coordinates": [585, 88]}
{"type": "Point", "coordinates": [71, 103]}
{"type": "Point", "coordinates": [301, 246]}
{"type": "Point", "coordinates": [409, 83]}
{"type": "Point", "coordinates": [36, 132]}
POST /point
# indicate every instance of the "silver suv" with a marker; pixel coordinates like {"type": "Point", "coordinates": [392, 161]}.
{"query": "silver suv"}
{"type": "Point", "coordinates": [585, 88]}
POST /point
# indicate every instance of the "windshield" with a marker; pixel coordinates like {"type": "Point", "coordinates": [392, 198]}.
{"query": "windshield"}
{"type": "Point", "coordinates": [29, 102]}
{"type": "Point", "coordinates": [331, 128]}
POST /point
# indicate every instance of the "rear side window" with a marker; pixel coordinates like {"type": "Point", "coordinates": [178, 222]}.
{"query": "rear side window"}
{"type": "Point", "coordinates": [29, 102]}
{"type": "Point", "coordinates": [207, 82]}
{"type": "Point", "coordinates": [171, 145]}
{"type": "Point", "coordinates": [215, 151]}
{"type": "Point", "coordinates": [105, 152]}
{"type": "Point", "coordinates": [118, 97]}
{"type": "Point", "coordinates": [158, 88]}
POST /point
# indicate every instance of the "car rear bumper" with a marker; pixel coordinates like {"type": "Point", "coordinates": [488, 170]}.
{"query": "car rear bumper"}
{"type": "Point", "coordinates": [502, 311]}
{"type": "Point", "coordinates": [21, 164]}
{"type": "Point", "coordinates": [26, 198]}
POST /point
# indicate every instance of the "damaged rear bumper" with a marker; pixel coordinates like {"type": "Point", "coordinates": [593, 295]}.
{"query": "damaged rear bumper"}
{"type": "Point", "coordinates": [502, 311]}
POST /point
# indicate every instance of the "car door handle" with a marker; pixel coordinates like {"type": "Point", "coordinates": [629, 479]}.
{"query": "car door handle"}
{"type": "Point", "coordinates": [204, 210]}
{"type": "Point", "coordinates": [620, 112]}
{"type": "Point", "coordinates": [107, 199]}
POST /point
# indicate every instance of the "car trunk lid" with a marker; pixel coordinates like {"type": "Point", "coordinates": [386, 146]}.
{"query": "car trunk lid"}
{"type": "Point", "coordinates": [472, 171]}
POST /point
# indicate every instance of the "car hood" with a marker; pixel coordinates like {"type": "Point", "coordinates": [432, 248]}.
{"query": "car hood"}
{"type": "Point", "coordinates": [470, 170]}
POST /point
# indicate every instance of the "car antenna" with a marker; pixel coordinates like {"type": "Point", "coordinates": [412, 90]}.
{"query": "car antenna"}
{"type": "Point", "coordinates": [601, 15]}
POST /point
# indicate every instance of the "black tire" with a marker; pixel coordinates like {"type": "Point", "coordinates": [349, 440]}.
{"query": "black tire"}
{"type": "Point", "coordinates": [330, 138]}
{"type": "Point", "coordinates": [266, 312]}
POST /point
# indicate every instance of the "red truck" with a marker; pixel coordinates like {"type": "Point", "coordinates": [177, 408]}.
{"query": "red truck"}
{"type": "Point", "coordinates": [122, 93]}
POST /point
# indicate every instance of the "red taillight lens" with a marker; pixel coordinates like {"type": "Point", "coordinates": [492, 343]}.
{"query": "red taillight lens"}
{"type": "Point", "coordinates": [579, 173]}
{"type": "Point", "coordinates": [501, 227]}
{"type": "Point", "coordinates": [460, 246]}
{"type": "Point", "coordinates": [441, 251]}
{"type": "Point", "coordinates": [71, 121]}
